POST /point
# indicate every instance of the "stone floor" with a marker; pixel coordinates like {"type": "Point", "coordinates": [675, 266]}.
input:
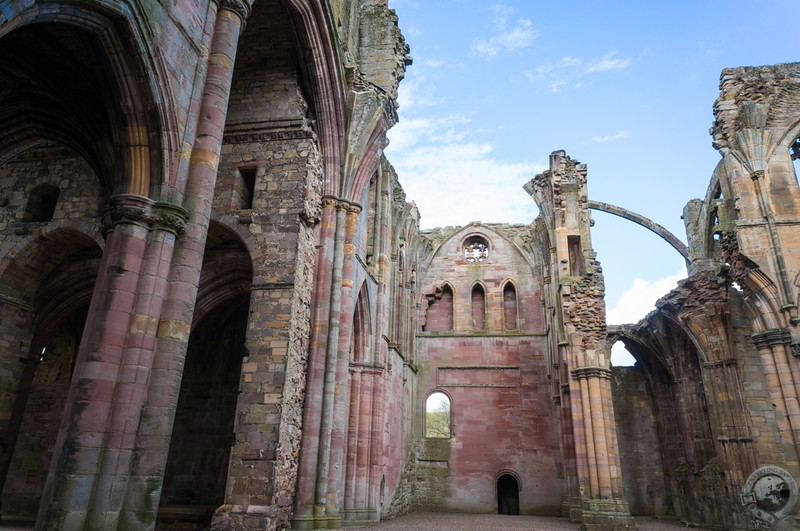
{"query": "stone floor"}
{"type": "Point", "coordinates": [478, 522]}
{"type": "Point", "coordinates": [468, 522]}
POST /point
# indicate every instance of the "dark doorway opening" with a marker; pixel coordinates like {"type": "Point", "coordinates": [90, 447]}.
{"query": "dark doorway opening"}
{"type": "Point", "coordinates": [507, 495]}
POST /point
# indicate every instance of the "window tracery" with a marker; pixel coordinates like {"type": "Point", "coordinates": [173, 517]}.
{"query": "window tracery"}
{"type": "Point", "coordinates": [476, 249]}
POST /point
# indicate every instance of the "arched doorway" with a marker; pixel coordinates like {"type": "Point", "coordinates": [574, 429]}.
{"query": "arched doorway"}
{"type": "Point", "coordinates": [44, 298]}
{"type": "Point", "coordinates": [196, 471]}
{"type": "Point", "coordinates": [507, 495]}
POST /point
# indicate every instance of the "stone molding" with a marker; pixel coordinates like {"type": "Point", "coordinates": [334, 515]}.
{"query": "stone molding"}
{"type": "Point", "coordinates": [264, 133]}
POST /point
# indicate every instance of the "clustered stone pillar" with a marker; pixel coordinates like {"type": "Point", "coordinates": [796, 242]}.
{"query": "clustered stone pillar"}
{"type": "Point", "coordinates": [584, 353]}
{"type": "Point", "coordinates": [322, 456]}
{"type": "Point", "coordinates": [774, 347]}
{"type": "Point", "coordinates": [602, 497]}
{"type": "Point", "coordinates": [344, 346]}
{"type": "Point", "coordinates": [122, 399]}
{"type": "Point", "coordinates": [95, 451]}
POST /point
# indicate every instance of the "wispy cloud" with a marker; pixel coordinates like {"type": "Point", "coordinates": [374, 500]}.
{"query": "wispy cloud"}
{"type": "Point", "coordinates": [609, 62]}
{"type": "Point", "coordinates": [611, 138]}
{"type": "Point", "coordinates": [572, 71]}
{"type": "Point", "coordinates": [508, 36]}
{"type": "Point", "coordinates": [416, 93]}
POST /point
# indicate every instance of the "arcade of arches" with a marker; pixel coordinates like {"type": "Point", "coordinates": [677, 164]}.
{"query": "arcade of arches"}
{"type": "Point", "coordinates": [217, 309]}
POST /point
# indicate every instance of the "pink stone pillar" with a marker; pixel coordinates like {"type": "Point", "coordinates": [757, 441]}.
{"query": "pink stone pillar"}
{"type": "Point", "coordinates": [346, 312]}
{"type": "Point", "coordinates": [86, 483]}
{"type": "Point", "coordinates": [174, 325]}
{"type": "Point", "coordinates": [312, 408]}
{"type": "Point", "coordinates": [331, 366]}
{"type": "Point", "coordinates": [352, 441]}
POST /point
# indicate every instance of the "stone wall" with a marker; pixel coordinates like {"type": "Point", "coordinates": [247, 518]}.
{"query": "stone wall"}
{"type": "Point", "coordinates": [640, 446]}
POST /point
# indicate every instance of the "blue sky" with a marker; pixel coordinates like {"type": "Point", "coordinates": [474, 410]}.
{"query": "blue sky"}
{"type": "Point", "coordinates": [624, 87]}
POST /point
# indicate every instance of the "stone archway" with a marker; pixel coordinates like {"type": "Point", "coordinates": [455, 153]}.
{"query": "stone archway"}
{"type": "Point", "coordinates": [44, 299]}
{"type": "Point", "coordinates": [507, 494]}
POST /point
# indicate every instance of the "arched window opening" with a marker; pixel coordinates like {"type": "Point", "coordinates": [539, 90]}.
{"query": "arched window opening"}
{"type": "Point", "coordinates": [439, 316]}
{"type": "Point", "coordinates": [438, 416]}
{"type": "Point", "coordinates": [41, 396]}
{"type": "Point", "coordinates": [794, 151]}
{"type": "Point", "coordinates": [476, 249]}
{"type": "Point", "coordinates": [373, 234]}
{"type": "Point", "coordinates": [195, 473]}
{"type": "Point", "coordinates": [359, 347]}
{"type": "Point", "coordinates": [510, 306]}
{"type": "Point", "coordinates": [507, 495]}
{"type": "Point", "coordinates": [478, 307]}
{"type": "Point", "coordinates": [41, 203]}
{"type": "Point", "coordinates": [621, 356]}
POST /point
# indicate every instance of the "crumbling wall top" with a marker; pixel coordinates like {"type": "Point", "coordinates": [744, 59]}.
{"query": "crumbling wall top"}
{"type": "Point", "coordinates": [756, 97]}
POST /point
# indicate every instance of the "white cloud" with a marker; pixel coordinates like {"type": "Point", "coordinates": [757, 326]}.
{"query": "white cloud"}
{"type": "Point", "coordinates": [455, 180]}
{"type": "Point", "coordinates": [569, 61]}
{"type": "Point", "coordinates": [434, 63]}
{"type": "Point", "coordinates": [620, 357]}
{"type": "Point", "coordinates": [633, 305]}
{"type": "Point", "coordinates": [641, 297]}
{"type": "Point", "coordinates": [611, 138]}
{"type": "Point", "coordinates": [609, 62]}
{"type": "Point", "coordinates": [501, 14]}
{"type": "Point", "coordinates": [556, 86]}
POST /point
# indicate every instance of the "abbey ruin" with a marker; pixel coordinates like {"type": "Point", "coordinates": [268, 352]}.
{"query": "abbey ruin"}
{"type": "Point", "coordinates": [217, 307]}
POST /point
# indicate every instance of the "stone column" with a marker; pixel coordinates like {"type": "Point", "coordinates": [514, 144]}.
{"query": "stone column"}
{"type": "Point", "coordinates": [773, 345]}
{"type": "Point", "coordinates": [86, 486]}
{"type": "Point", "coordinates": [311, 507]}
{"type": "Point", "coordinates": [174, 326]}
{"type": "Point", "coordinates": [346, 311]}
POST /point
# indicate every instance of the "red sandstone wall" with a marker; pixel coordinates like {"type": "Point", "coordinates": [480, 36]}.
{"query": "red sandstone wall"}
{"type": "Point", "coordinates": [504, 420]}
{"type": "Point", "coordinates": [640, 448]}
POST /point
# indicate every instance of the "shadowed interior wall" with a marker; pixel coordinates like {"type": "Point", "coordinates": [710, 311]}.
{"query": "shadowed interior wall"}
{"type": "Point", "coordinates": [198, 459]}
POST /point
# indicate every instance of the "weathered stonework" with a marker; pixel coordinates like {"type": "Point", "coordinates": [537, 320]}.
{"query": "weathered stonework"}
{"type": "Point", "coordinates": [217, 309]}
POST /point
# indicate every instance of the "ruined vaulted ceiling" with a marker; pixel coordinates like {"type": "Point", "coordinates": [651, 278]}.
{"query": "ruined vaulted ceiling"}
{"type": "Point", "coordinates": [55, 85]}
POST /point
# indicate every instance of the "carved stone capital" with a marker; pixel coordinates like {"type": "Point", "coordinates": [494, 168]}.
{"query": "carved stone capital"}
{"type": "Point", "coordinates": [757, 174]}
{"type": "Point", "coordinates": [127, 208]}
{"type": "Point", "coordinates": [169, 217]}
{"type": "Point", "coordinates": [591, 372]}
{"type": "Point", "coordinates": [330, 202]}
{"type": "Point", "coordinates": [142, 211]}
{"type": "Point", "coordinates": [240, 7]}
{"type": "Point", "coordinates": [772, 338]}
